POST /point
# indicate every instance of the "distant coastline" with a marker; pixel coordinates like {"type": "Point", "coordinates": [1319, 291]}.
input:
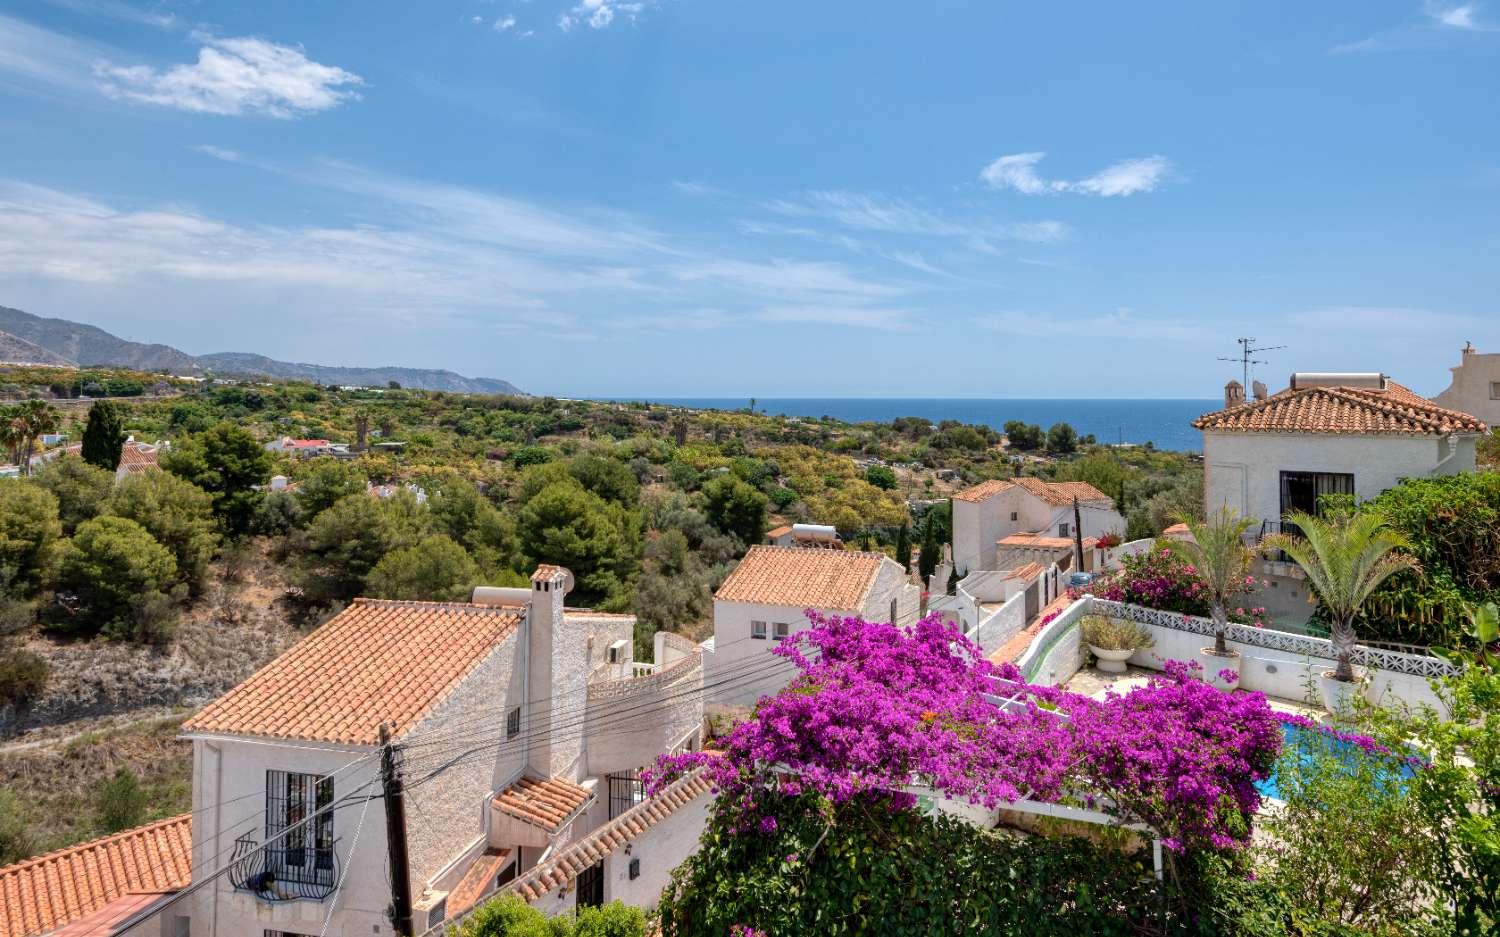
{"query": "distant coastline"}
{"type": "Point", "coordinates": [1166, 424]}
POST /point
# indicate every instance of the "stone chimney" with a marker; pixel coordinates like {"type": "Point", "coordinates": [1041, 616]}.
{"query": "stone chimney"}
{"type": "Point", "coordinates": [1234, 394]}
{"type": "Point", "coordinates": [1258, 389]}
{"type": "Point", "coordinates": [544, 623]}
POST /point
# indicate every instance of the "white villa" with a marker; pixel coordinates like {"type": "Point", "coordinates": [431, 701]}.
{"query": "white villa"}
{"type": "Point", "coordinates": [1326, 433]}
{"type": "Point", "coordinates": [1475, 388]}
{"type": "Point", "coordinates": [1004, 524]}
{"type": "Point", "coordinates": [519, 726]}
{"type": "Point", "coordinates": [765, 600]}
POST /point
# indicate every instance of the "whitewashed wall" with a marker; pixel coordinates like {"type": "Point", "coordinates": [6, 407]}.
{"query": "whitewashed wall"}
{"type": "Point", "coordinates": [1002, 624]}
{"type": "Point", "coordinates": [1243, 470]}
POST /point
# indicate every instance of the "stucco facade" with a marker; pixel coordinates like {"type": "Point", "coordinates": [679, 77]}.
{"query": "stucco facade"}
{"type": "Point", "coordinates": [1243, 470]}
{"type": "Point", "coordinates": [1475, 388]}
{"type": "Point", "coordinates": [740, 667]}
{"type": "Point", "coordinates": [978, 525]}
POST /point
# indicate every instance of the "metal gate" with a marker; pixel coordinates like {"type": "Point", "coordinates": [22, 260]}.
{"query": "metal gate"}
{"type": "Point", "coordinates": [591, 886]}
{"type": "Point", "coordinates": [625, 791]}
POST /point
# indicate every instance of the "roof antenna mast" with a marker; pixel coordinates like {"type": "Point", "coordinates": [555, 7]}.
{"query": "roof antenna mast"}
{"type": "Point", "coordinates": [1246, 358]}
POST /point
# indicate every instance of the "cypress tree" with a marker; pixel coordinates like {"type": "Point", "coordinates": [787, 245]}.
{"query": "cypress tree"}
{"type": "Point", "coordinates": [104, 436]}
{"type": "Point", "coordinates": [927, 557]}
{"type": "Point", "coordinates": [903, 547]}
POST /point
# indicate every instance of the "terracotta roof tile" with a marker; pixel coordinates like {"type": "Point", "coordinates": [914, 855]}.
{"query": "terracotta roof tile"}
{"type": "Point", "coordinates": [545, 803]}
{"type": "Point", "coordinates": [136, 458]}
{"type": "Point", "coordinates": [476, 880]}
{"type": "Point", "coordinates": [1324, 409]}
{"type": "Point", "coordinates": [781, 531]}
{"type": "Point", "coordinates": [607, 839]}
{"type": "Point", "coordinates": [837, 580]}
{"type": "Point", "coordinates": [1046, 543]}
{"type": "Point", "coordinates": [983, 490]}
{"type": "Point", "coordinates": [49, 891]}
{"type": "Point", "coordinates": [376, 661]}
{"type": "Point", "coordinates": [1056, 494]}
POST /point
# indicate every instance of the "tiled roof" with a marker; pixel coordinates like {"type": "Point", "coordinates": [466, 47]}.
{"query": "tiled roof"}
{"type": "Point", "coordinates": [1326, 409]}
{"type": "Point", "coordinates": [49, 891]}
{"type": "Point", "coordinates": [476, 880]}
{"type": "Point", "coordinates": [545, 803]}
{"type": "Point", "coordinates": [376, 661]}
{"type": "Point", "coordinates": [1026, 572]}
{"type": "Point", "coordinates": [616, 834]}
{"type": "Point", "coordinates": [983, 490]}
{"type": "Point", "coordinates": [1056, 494]}
{"type": "Point", "coordinates": [1052, 543]}
{"type": "Point", "coordinates": [837, 580]}
{"type": "Point", "coordinates": [781, 531]}
{"type": "Point", "coordinates": [136, 458]}
{"type": "Point", "coordinates": [110, 919]}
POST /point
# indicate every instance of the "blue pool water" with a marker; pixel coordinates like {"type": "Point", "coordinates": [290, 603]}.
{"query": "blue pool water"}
{"type": "Point", "coordinates": [1301, 737]}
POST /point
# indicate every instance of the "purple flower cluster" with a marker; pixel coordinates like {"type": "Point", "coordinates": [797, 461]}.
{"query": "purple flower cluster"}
{"type": "Point", "coordinates": [1368, 745]}
{"type": "Point", "coordinates": [878, 708]}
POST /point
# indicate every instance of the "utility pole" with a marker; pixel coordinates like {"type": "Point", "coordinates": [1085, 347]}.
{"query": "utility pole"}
{"type": "Point", "coordinates": [1077, 535]}
{"type": "Point", "coordinates": [395, 835]}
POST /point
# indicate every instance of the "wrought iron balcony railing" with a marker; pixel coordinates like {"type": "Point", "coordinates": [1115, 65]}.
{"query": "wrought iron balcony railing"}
{"type": "Point", "coordinates": [284, 873]}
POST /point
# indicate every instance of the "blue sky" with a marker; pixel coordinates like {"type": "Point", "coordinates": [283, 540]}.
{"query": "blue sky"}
{"type": "Point", "coordinates": [723, 197]}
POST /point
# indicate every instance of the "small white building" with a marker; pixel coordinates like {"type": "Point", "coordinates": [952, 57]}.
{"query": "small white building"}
{"type": "Point", "coordinates": [1004, 523]}
{"type": "Point", "coordinates": [765, 601]}
{"type": "Point", "coordinates": [1347, 433]}
{"type": "Point", "coordinates": [1475, 388]}
{"type": "Point", "coordinates": [519, 726]}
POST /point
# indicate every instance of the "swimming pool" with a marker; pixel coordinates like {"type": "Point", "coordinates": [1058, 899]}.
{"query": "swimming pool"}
{"type": "Point", "coordinates": [1307, 739]}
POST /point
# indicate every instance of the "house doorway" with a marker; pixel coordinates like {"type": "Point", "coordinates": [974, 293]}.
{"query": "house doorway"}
{"type": "Point", "coordinates": [1300, 491]}
{"type": "Point", "coordinates": [591, 886]}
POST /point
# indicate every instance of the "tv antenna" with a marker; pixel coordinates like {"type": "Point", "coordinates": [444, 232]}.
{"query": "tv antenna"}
{"type": "Point", "coordinates": [1246, 358]}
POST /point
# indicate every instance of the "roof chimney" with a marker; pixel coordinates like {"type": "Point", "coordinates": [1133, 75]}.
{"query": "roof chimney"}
{"type": "Point", "coordinates": [1259, 390]}
{"type": "Point", "coordinates": [1234, 394]}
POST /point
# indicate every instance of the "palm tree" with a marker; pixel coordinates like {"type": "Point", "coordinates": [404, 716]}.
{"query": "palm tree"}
{"type": "Point", "coordinates": [1221, 561]}
{"type": "Point", "coordinates": [1346, 556]}
{"type": "Point", "coordinates": [10, 434]}
{"type": "Point", "coordinates": [30, 420]}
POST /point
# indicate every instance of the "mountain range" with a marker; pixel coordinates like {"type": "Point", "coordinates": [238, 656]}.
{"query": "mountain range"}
{"type": "Point", "coordinates": [29, 339]}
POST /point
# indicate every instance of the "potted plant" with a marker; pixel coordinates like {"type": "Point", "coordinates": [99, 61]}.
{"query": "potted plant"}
{"type": "Point", "coordinates": [1217, 555]}
{"type": "Point", "coordinates": [1346, 556]}
{"type": "Point", "coordinates": [1113, 640]}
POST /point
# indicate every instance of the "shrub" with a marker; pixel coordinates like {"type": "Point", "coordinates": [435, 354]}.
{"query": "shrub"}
{"type": "Point", "coordinates": [509, 916]}
{"type": "Point", "coordinates": [119, 803]}
{"type": "Point", "coordinates": [1158, 578]}
{"type": "Point", "coordinates": [16, 841]}
{"type": "Point", "coordinates": [82, 490]}
{"type": "Point", "coordinates": [735, 508]}
{"type": "Point", "coordinates": [29, 535]}
{"type": "Point", "coordinates": [437, 569]}
{"type": "Point", "coordinates": [177, 513]}
{"type": "Point", "coordinates": [23, 677]}
{"type": "Point", "coordinates": [1115, 634]}
{"type": "Point", "coordinates": [118, 574]}
{"type": "Point", "coordinates": [881, 477]}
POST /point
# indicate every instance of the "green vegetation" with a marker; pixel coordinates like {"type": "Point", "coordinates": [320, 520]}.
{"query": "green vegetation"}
{"type": "Point", "coordinates": [104, 436]}
{"type": "Point", "coordinates": [509, 916]}
{"type": "Point", "coordinates": [119, 803]}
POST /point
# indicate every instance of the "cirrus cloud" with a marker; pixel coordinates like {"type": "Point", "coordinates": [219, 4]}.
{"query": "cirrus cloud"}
{"type": "Point", "coordinates": [1127, 177]}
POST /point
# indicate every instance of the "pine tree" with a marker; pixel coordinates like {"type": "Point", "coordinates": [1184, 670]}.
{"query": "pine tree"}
{"type": "Point", "coordinates": [927, 558]}
{"type": "Point", "coordinates": [104, 436]}
{"type": "Point", "coordinates": [903, 547]}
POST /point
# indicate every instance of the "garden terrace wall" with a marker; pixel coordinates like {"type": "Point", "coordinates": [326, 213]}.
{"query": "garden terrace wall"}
{"type": "Point", "coordinates": [1280, 663]}
{"type": "Point", "coordinates": [1056, 653]}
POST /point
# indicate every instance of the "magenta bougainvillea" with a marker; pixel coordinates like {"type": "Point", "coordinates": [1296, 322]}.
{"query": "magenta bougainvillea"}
{"type": "Point", "coordinates": [883, 710]}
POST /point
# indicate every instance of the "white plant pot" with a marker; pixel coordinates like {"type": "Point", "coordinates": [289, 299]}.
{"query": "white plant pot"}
{"type": "Point", "coordinates": [1339, 695]}
{"type": "Point", "coordinates": [1213, 663]}
{"type": "Point", "coordinates": [1110, 661]}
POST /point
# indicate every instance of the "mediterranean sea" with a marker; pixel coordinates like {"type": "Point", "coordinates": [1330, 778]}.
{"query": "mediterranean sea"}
{"type": "Point", "coordinates": [1166, 424]}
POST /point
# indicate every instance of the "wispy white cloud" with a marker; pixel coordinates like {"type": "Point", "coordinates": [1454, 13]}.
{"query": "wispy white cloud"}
{"type": "Point", "coordinates": [124, 12]}
{"type": "Point", "coordinates": [220, 153]}
{"type": "Point", "coordinates": [38, 55]}
{"type": "Point", "coordinates": [866, 211]}
{"type": "Point", "coordinates": [235, 76]}
{"type": "Point", "coordinates": [1454, 16]}
{"type": "Point", "coordinates": [1018, 171]}
{"type": "Point", "coordinates": [504, 23]}
{"type": "Point", "coordinates": [598, 14]}
{"type": "Point", "coordinates": [1119, 323]}
{"type": "Point", "coordinates": [863, 317]}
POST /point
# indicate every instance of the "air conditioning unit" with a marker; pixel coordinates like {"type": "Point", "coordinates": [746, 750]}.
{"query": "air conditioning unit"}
{"type": "Point", "coordinates": [619, 652]}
